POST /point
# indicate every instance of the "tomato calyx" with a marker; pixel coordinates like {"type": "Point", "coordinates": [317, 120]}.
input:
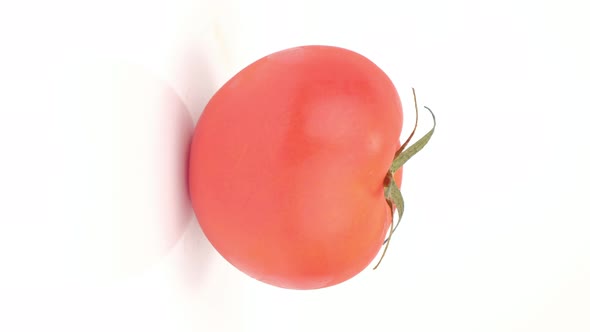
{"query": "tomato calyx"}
{"type": "Point", "coordinates": [393, 195]}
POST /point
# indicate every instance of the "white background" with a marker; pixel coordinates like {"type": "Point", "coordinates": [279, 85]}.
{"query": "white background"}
{"type": "Point", "coordinates": [495, 236]}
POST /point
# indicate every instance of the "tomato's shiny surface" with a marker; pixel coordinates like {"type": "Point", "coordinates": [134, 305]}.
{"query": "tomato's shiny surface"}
{"type": "Point", "coordinates": [287, 166]}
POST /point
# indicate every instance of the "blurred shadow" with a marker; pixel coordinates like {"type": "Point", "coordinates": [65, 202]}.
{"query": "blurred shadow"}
{"type": "Point", "coordinates": [136, 137]}
{"type": "Point", "coordinates": [194, 82]}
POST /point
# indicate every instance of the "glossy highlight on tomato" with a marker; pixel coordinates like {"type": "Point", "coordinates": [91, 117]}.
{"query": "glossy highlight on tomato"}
{"type": "Point", "coordinates": [287, 166]}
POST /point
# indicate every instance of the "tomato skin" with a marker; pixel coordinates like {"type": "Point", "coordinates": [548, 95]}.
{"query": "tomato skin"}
{"type": "Point", "coordinates": [287, 166]}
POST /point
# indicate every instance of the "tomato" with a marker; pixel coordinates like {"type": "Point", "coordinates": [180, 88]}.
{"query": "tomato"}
{"type": "Point", "coordinates": [288, 162]}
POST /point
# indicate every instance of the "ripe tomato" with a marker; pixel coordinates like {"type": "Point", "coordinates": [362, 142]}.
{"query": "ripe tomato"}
{"type": "Point", "coordinates": [288, 162]}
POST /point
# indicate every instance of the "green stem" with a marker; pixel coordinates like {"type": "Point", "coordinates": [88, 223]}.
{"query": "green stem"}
{"type": "Point", "coordinates": [393, 195]}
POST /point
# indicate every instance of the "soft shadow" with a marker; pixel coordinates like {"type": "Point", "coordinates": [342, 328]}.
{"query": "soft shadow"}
{"type": "Point", "coordinates": [194, 82]}
{"type": "Point", "coordinates": [136, 145]}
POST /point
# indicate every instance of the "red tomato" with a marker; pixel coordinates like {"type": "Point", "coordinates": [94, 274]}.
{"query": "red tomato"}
{"type": "Point", "coordinates": [288, 162]}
